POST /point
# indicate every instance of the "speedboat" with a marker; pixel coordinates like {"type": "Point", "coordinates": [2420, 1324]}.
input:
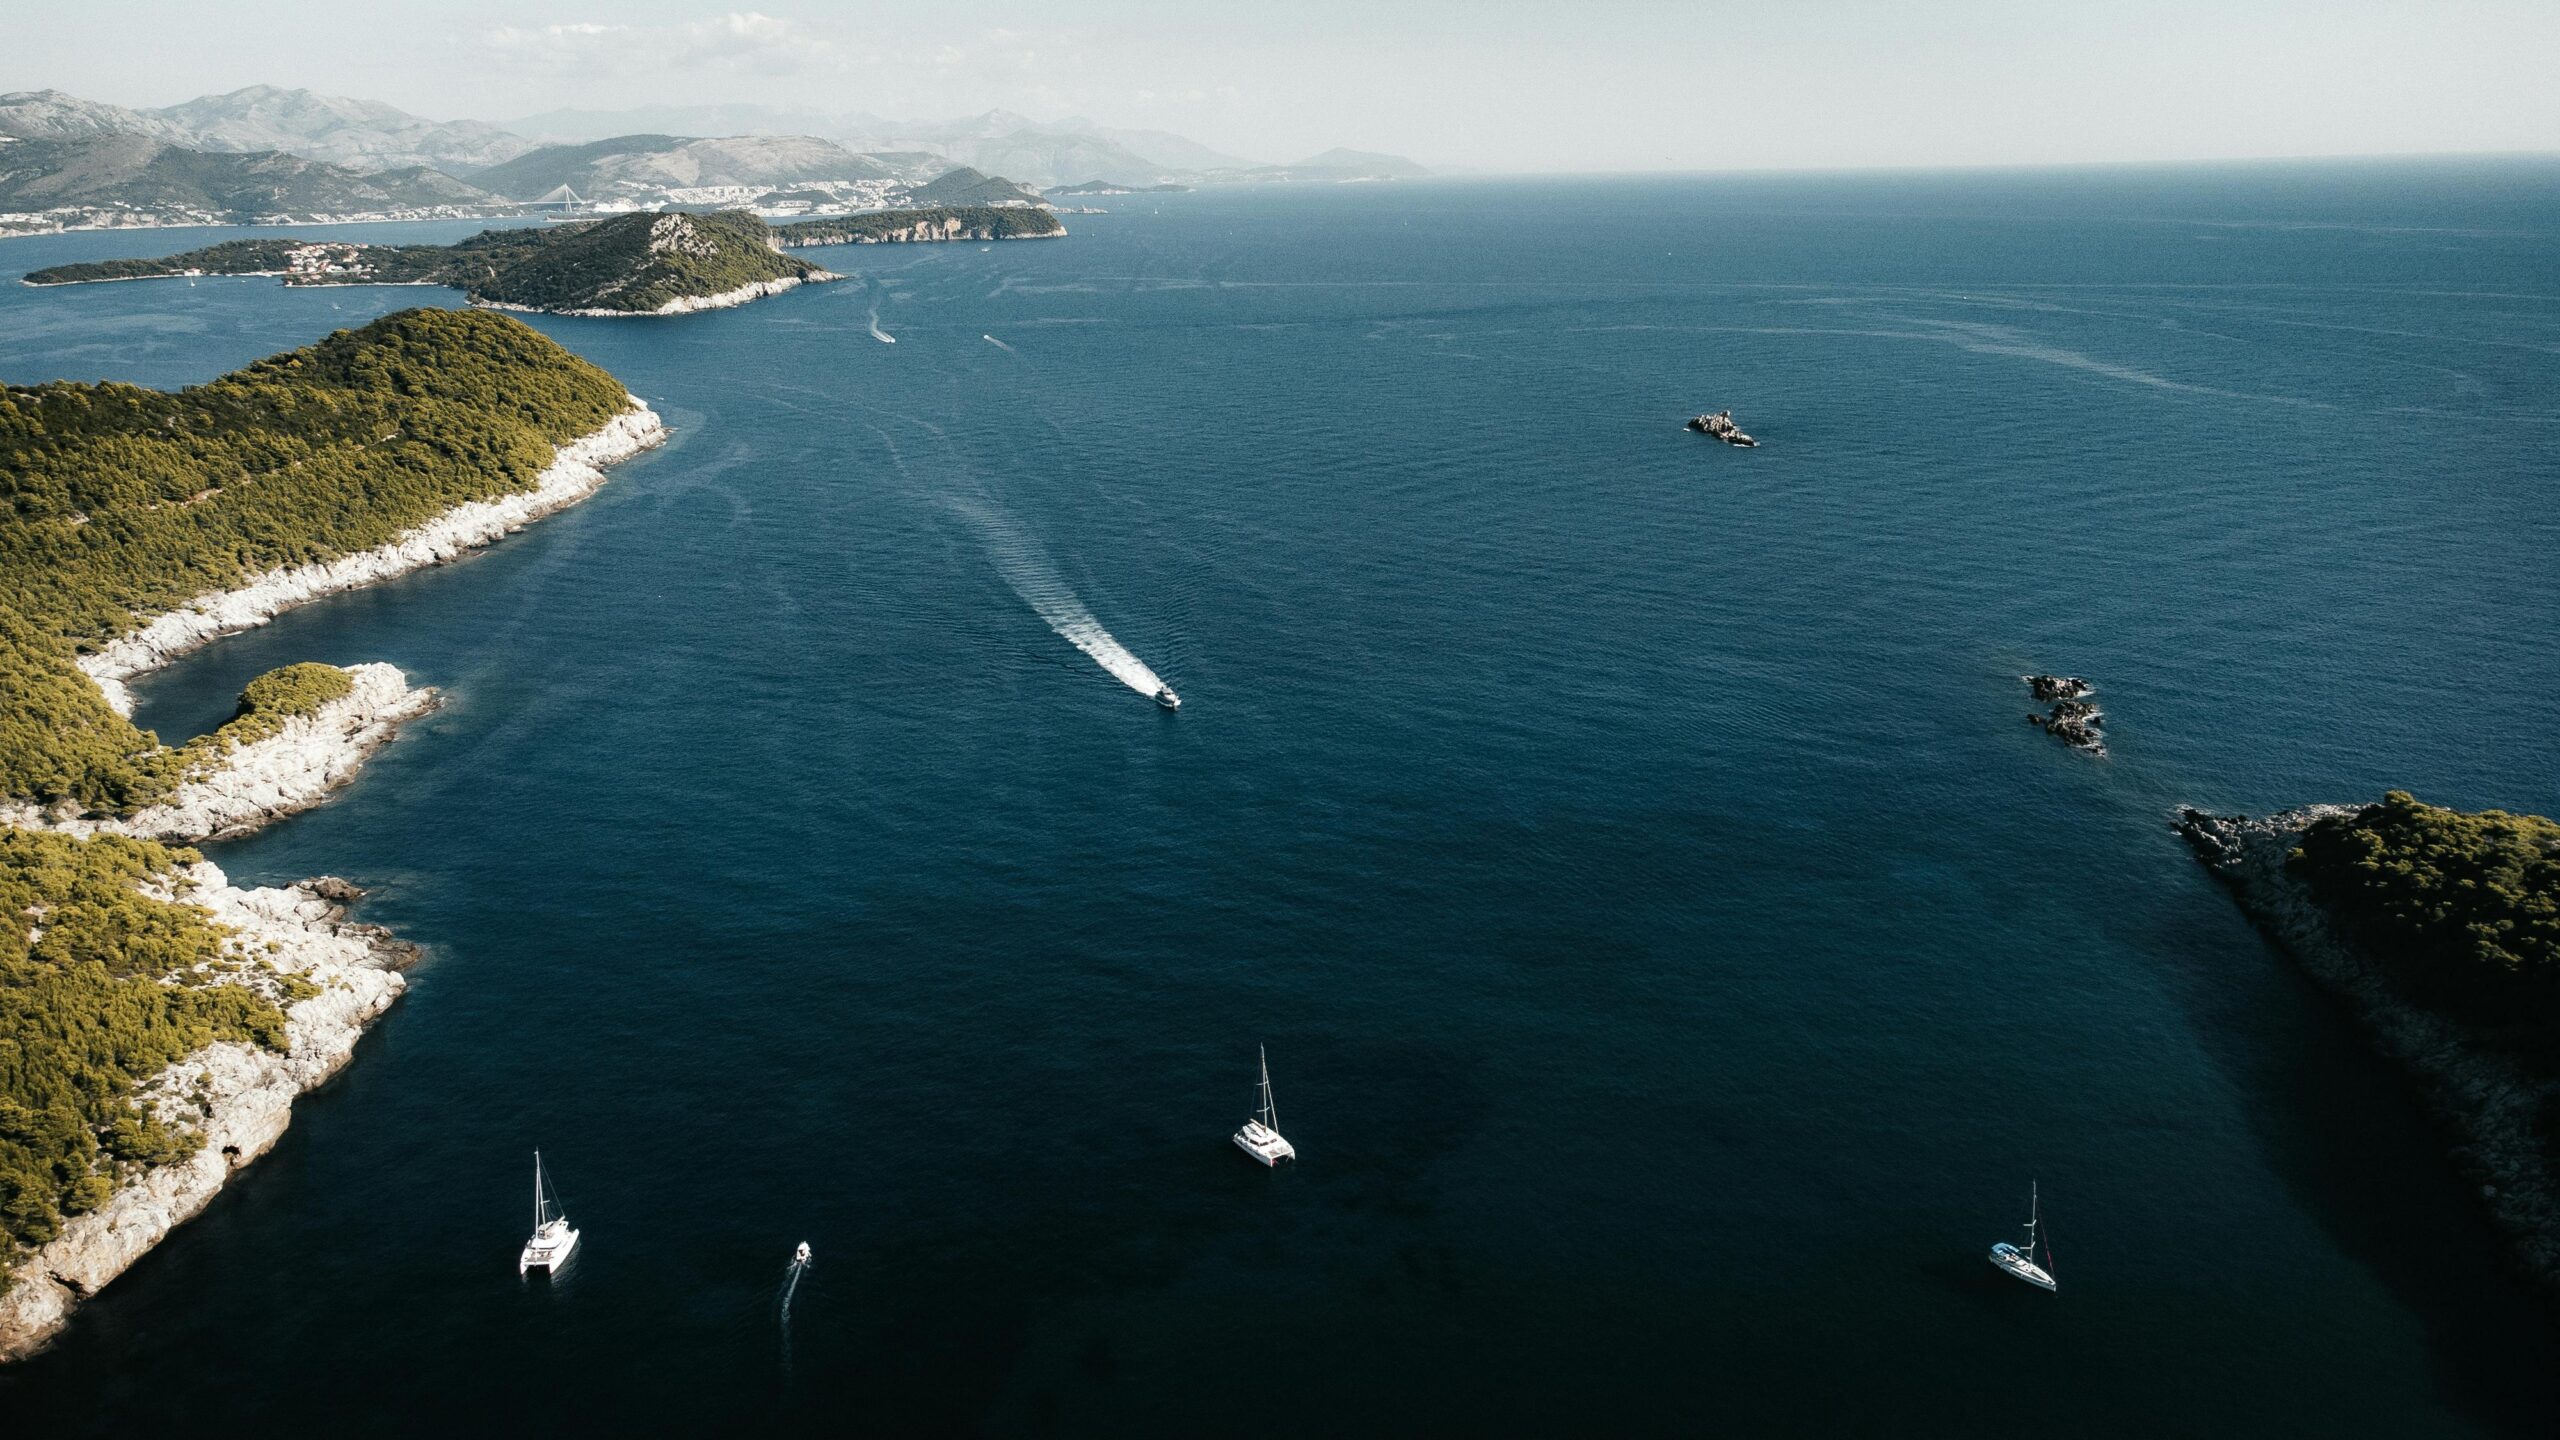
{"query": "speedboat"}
{"type": "Point", "coordinates": [552, 1240]}
{"type": "Point", "coordinates": [2021, 1262]}
{"type": "Point", "coordinates": [1166, 698]}
{"type": "Point", "coordinates": [801, 1255]}
{"type": "Point", "coordinates": [1260, 1137]}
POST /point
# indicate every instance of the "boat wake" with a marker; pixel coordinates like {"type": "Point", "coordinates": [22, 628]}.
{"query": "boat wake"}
{"type": "Point", "coordinates": [1030, 573]}
{"type": "Point", "coordinates": [990, 339]}
{"type": "Point", "coordinates": [791, 1274]}
{"type": "Point", "coordinates": [883, 336]}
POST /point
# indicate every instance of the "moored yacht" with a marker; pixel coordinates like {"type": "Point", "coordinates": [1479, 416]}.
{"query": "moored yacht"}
{"type": "Point", "coordinates": [1166, 698]}
{"type": "Point", "coordinates": [2021, 1262]}
{"type": "Point", "coordinates": [1260, 1137]}
{"type": "Point", "coordinates": [552, 1240]}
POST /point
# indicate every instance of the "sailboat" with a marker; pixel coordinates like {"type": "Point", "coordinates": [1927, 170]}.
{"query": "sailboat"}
{"type": "Point", "coordinates": [2022, 1262]}
{"type": "Point", "coordinates": [1260, 1137]}
{"type": "Point", "coordinates": [552, 1240]}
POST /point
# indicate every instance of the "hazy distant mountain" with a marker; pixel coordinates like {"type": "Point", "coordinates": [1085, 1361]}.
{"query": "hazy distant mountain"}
{"type": "Point", "coordinates": [663, 162]}
{"type": "Point", "coordinates": [1340, 164]}
{"type": "Point", "coordinates": [998, 141]}
{"type": "Point", "coordinates": [965, 186]}
{"type": "Point", "coordinates": [52, 115]}
{"type": "Point", "coordinates": [361, 134]}
{"type": "Point", "coordinates": [1171, 150]}
{"type": "Point", "coordinates": [576, 127]}
{"type": "Point", "coordinates": [140, 173]}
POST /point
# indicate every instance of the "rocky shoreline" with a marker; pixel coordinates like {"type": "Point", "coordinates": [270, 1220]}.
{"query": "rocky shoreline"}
{"type": "Point", "coordinates": [684, 304]}
{"type": "Point", "coordinates": [2488, 1102]}
{"type": "Point", "coordinates": [239, 1096]}
{"type": "Point", "coordinates": [285, 773]}
{"type": "Point", "coordinates": [575, 472]}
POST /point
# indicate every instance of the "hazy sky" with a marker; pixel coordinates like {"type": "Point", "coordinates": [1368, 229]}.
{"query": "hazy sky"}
{"type": "Point", "coordinates": [1566, 85]}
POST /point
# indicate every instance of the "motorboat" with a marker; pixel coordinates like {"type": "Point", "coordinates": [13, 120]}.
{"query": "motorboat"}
{"type": "Point", "coordinates": [801, 1255]}
{"type": "Point", "coordinates": [1166, 698]}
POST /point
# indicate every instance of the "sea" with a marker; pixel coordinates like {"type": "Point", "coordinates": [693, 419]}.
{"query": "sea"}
{"type": "Point", "coordinates": [1676, 955]}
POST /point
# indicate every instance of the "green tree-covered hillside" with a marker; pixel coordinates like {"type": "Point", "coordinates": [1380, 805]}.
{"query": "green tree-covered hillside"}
{"type": "Point", "coordinates": [123, 503]}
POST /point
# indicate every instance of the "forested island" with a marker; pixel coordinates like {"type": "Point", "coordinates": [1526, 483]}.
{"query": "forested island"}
{"type": "Point", "coordinates": [2441, 929]}
{"type": "Point", "coordinates": [637, 264]}
{"type": "Point", "coordinates": [950, 222]}
{"type": "Point", "coordinates": [156, 1021]}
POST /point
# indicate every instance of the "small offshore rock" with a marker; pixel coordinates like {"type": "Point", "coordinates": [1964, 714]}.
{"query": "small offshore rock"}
{"type": "Point", "coordinates": [1721, 426]}
{"type": "Point", "coordinates": [2073, 721]}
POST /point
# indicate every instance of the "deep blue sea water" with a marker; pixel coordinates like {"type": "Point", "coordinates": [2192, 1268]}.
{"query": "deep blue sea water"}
{"type": "Point", "coordinates": [1676, 956]}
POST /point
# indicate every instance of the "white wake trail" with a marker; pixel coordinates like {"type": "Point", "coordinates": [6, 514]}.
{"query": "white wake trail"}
{"type": "Point", "coordinates": [1029, 573]}
{"type": "Point", "coordinates": [883, 336]}
{"type": "Point", "coordinates": [990, 339]}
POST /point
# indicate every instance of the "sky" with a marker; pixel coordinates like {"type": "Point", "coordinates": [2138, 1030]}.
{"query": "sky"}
{"type": "Point", "coordinates": [1565, 85]}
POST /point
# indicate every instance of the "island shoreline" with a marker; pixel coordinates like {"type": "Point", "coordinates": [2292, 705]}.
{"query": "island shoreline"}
{"type": "Point", "coordinates": [2488, 1104]}
{"type": "Point", "coordinates": [303, 928]}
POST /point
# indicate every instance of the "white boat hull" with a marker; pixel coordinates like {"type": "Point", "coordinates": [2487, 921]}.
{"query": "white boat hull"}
{"type": "Point", "coordinates": [549, 1249]}
{"type": "Point", "coordinates": [1264, 1144]}
{"type": "Point", "coordinates": [2014, 1260]}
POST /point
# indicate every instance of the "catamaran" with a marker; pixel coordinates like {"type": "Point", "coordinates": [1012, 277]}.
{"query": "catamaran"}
{"type": "Point", "coordinates": [552, 1240]}
{"type": "Point", "coordinates": [1260, 1137]}
{"type": "Point", "coordinates": [2022, 1262]}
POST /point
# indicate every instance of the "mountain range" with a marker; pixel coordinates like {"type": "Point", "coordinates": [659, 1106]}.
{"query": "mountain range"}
{"type": "Point", "coordinates": [122, 172]}
{"type": "Point", "coordinates": [360, 134]}
{"type": "Point", "coordinates": [265, 151]}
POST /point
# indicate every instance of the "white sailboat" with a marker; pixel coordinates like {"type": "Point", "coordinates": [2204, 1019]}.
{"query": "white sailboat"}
{"type": "Point", "coordinates": [552, 1240]}
{"type": "Point", "coordinates": [1260, 1137]}
{"type": "Point", "coordinates": [2021, 1262]}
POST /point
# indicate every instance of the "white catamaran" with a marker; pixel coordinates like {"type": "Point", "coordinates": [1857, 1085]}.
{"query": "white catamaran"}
{"type": "Point", "coordinates": [1260, 1137]}
{"type": "Point", "coordinates": [552, 1240]}
{"type": "Point", "coordinates": [2022, 1262]}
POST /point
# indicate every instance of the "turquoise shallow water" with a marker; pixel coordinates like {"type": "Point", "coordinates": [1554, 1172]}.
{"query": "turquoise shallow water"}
{"type": "Point", "coordinates": [1676, 955]}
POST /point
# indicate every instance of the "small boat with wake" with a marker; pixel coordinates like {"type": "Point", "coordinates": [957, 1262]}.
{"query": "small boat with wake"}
{"type": "Point", "coordinates": [1166, 698]}
{"type": "Point", "coordinates": [801, 1255]}
{"type": "Point", "coordinates": [1721, 426]}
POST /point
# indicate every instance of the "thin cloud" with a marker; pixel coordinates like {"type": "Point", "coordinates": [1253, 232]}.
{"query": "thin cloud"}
{"type": "Point", "coordinates": [747, 41]}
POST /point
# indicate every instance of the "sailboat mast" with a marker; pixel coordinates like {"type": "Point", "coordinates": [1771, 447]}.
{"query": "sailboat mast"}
{"type": "Point", "coordinates": [537, 1189]}
{"type": "Point", "coordinates": [1270, 1111]}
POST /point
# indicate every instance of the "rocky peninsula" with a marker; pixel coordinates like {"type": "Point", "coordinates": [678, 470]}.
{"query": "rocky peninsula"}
{"type": "Point", "coordinates": [169, 1016]}
{"type": "Point", "coordinates": [233, 1098]}
{"type": "Point", "coordinates": [2490, 1083]}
